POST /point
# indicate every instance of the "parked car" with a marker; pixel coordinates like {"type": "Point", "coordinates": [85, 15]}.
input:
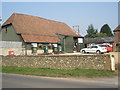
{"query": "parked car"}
{"type": "Point", "coordinates": [108, 47]}
{"type": "Point", "coordinates": [98, 49]}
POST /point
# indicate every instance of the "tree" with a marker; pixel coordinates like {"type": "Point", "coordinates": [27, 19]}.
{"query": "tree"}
{"type": "Point", "coordinates": [91, 32]}
{"type": "Point", "coordinates": [101, 35]}
{"type": "Point", "coordinates": [106, 29]}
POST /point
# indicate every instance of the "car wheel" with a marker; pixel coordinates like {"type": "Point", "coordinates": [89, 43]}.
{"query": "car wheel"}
{"type": "Point", "coordinates": [98, 52]}
{"type": "Point", "coordinates": [83, 51]}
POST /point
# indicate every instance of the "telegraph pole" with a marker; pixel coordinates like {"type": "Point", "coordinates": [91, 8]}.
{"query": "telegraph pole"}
{"type": "Point", "coordinates": [77, 26]}
{"type": "Point", "coordinates": [0, 23]}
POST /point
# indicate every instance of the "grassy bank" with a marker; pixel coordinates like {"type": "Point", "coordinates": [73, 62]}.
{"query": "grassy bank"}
{"type": "Point", "coordinates": [59, 72]}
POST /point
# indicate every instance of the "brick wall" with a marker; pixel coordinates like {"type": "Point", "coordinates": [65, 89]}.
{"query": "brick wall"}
{"type": "Point", "coordinates": [59, 62]}
{"type": "Point", "coordinates": [117, 36]}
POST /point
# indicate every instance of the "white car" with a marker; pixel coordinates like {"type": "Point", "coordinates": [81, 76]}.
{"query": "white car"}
{"type": "Point", "coordinates": [94, 49]}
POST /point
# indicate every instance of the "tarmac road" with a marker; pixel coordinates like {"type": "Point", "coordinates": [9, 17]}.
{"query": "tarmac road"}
{"type": "Point", "coordinates": [26, 81]}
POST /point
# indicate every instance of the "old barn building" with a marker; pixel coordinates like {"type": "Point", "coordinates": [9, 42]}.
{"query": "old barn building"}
{"type": "Point", "coordinates": [39, 35]}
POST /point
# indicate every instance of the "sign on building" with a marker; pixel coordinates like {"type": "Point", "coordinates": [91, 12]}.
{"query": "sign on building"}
{"type": "Point", "coordinates": [55, 45]}
{"type": "Point", "coordinates": [34, 44]}
{"type": "Point", "coordinates": [80, 40]}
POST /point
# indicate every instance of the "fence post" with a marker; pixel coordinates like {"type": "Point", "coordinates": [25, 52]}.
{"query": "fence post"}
{"type": "Point", "coordinates": [112, 62]}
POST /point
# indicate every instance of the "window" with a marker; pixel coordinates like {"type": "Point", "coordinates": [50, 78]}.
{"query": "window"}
{"type": "Point", "coordinates": [94, 47]}
{"type": "Point", "coordinates": [108, 46]}
{"type": "Point", "coordinates": [102, 45]}
{"type": "Point", "coordinates": [5, 29]}
{"type": "Point", "coordinates": [88, 47]}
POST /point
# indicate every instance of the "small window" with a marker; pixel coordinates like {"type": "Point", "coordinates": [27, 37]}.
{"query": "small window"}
{"type": "Point", "coordinates": [92, 46]}
{"type": "Point", "coordinates": [95, 47]}
{"type": "Point", "coordinates": [6, 29]}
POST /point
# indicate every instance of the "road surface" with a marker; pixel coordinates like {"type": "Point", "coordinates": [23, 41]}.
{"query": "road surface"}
{"type": "Point", "coordinates": [26, 81]}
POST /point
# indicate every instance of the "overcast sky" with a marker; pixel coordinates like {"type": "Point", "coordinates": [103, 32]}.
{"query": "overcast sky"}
{"type": "Point", "coordinates": [71, 13]}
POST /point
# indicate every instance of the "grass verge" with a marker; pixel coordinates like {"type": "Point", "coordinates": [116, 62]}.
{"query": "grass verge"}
{"type": "Point", "coordinates": [90, 73]}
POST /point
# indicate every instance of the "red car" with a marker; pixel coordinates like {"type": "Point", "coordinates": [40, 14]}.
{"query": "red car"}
{"type": "Point", "coordinates": [108, 47]}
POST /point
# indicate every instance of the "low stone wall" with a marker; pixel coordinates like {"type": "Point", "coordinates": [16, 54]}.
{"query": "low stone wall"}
{"type": "Point", "coordinates": [17, 51]}
{"type": "Point", "coordinates": [21, 51]}
{"type": "Point", "coordinates": [60, 61]}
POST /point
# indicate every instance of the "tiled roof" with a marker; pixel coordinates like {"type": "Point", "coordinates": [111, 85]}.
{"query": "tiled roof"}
{"type": "Point", "coordinates": [99, 40]}
{"type": "Point", "coordinates": [117, 28]}
{"type": "Point", "coordinates": [40, 38]}
{"type": "Point", "coordinates": [32, 25]}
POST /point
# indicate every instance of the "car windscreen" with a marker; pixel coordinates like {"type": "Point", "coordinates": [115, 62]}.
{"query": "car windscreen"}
{"type": "Point", "coordinates": [108, 46]}
{"type": "Point", "coordinates": [102, 45]}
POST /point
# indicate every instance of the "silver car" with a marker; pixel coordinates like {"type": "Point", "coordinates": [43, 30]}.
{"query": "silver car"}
{"type": "Point", "coordinates": [94, 49]}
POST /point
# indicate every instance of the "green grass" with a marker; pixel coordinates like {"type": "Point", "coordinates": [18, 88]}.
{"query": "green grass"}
{"type": "Point", "coordinates": [90, 73]}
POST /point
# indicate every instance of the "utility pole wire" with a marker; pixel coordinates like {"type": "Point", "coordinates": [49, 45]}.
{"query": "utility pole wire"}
{"type": "Point", "coordinates": [78, 31]}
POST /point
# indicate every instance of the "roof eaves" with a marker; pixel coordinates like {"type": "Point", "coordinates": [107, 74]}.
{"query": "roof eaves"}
{"type": "Point", "coordinates": [10, 20]}
{"type": "Point", "coordinates": [117, 28]}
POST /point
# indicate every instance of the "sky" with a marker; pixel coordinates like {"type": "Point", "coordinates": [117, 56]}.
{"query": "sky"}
{"type": "Point", "coordinates": [0, 9]}
{"type": "Point", "coordinates": [118, 13]}
{"type": "Point", "coordinates": [71, 13]}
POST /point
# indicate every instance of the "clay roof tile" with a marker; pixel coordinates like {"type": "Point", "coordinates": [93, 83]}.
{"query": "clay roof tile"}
{"type": "Point", "coordinates": [32, 25]}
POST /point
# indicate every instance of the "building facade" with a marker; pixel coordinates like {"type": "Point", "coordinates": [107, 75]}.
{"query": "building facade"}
{"type": "Point", "coordinates": [99, 40]}
{"type": "Point", "coordinates": [39, 35]}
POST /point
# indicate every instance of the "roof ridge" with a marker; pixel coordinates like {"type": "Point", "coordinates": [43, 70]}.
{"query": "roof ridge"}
{"type": "Point", "coordinates": [117, 28]}
{"type": "Point", "coordinates": [9, 20]}
{"type": "Point", "coordinates": [13, 17]}
{"type": "Point", "coordinates": [38, 17]}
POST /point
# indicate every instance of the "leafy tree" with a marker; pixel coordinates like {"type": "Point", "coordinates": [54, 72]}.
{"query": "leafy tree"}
{"type": "Point", "coordinates": [101, 35]}
{"type": "Point", "coordinates": [91, 32]}
{"type": "Point", "coordinates": [106, 29]}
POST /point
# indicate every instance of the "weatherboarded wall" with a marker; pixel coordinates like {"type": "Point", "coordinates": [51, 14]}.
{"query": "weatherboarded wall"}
{"type": "Point", "coordinates": [59, 62]}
